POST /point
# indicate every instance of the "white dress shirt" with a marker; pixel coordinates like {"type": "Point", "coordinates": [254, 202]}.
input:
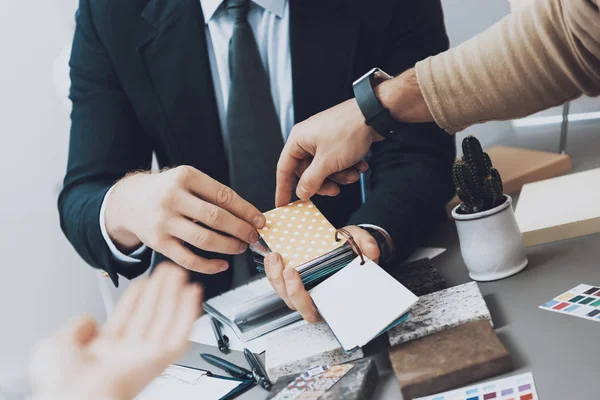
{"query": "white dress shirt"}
{"type": "Point", "coordinates": [269, 20]}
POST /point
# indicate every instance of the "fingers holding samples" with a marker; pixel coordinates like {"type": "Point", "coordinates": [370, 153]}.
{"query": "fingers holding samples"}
{"type": "Point", "coordinates": [289, 161]}
{"type": "Point", "coordinates": [274, 271]}
{"type": "Point", "coordinates": [183, 256]}
{"type": "Point", "coordinates": [299, 296]}
{"type": "Point", "coordinates": [221, 196]}
{"type": "Point", "coordinates": [365, 241]}
{"type": "Point", "coordinates": [216, 218]}
{"type": "Point", "coordinates": [204, 238]}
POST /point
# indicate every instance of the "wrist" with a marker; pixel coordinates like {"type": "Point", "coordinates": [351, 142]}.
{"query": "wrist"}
{"type": "Point", "coordinates": [402, 96]}
{"type": "Point", "coordinates": [119, 207]}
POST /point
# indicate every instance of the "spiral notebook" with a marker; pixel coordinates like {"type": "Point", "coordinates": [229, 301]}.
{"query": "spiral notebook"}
{"type": "Point", "coordinates": [305, 239]}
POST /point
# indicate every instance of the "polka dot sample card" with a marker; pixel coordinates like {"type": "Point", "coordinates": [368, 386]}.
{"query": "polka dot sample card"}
{"type": "Point", "coordinates": [299, 232]}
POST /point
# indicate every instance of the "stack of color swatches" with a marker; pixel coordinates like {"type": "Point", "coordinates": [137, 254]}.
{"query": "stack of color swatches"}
{"type": "Point", "coordinates": [519, 387]}
{"type": "Point", "coordinates": [582, 301]}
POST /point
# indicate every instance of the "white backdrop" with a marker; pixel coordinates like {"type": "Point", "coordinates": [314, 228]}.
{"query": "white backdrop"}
{"type": "Point", "coordinates": [42, 280]}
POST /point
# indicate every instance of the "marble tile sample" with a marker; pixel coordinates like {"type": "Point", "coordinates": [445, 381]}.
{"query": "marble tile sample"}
{"type": "Point", "coordinates": [442, 310]}
{"type": "Point", "coordinates": [449, 359]}
{"type": "Point", "coordinates": [358, 384]}
{"type": "Point", "coordinates": [294, 350]}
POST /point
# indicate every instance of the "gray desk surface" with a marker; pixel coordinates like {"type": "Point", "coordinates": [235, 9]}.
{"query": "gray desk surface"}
{"type": "Point", "coordinates": [563, 352]}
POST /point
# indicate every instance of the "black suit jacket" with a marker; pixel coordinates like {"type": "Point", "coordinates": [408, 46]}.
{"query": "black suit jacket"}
{"type": "Point", "coordinates": [141, 83]}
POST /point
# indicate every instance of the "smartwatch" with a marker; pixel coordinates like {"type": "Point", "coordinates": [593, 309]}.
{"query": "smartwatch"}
{"type": "Point", "coordinates": [376, 115]}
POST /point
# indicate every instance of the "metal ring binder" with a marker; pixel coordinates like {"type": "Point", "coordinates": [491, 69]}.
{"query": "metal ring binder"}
{"type": "Point", "coordinates": [352, 242]}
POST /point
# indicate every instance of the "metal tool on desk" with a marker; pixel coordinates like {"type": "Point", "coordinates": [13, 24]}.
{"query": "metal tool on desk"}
{"type": "Point", "coordinates": [259, 373]}
{"type": "Point", "coordinates": [222, 340]}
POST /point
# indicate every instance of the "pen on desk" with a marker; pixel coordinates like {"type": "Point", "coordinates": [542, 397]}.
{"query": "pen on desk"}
{"type": "Point", "coordinates": [222, 340]}
{"type": "Point", "coordinates": [234, 370]}
{"type": "Point", "coordinates": [260, 375]}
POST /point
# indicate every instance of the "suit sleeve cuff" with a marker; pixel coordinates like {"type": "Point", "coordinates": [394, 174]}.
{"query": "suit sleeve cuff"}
{"type": "Point", "coordinates": [132, 258]}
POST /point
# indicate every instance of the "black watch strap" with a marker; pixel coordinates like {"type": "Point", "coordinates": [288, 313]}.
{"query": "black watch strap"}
{"type": "Point", "coordinates": [376, 115]}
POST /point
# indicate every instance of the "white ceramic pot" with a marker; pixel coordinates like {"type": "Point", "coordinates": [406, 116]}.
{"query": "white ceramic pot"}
{"type": "Point", "coordinates": [491, 242]}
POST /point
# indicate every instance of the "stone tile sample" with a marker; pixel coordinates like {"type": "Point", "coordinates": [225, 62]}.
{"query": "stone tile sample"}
{"type": "Point", "coordinates": [442, 310]}
{"type": "Point", "coordinates": [358, 384]}
{"type": "Point", "coordinates": [420, 277]}
{"type": "Point", "coordinates": [294, 350]}
{"type": "Point", "coordinates": [449, 359]}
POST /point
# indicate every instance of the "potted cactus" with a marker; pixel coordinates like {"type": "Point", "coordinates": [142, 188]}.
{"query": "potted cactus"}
{"type": "Point", "coordinates": [490, 240]}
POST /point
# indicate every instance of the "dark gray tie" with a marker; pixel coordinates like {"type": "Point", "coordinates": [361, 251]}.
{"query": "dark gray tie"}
{"type": "Point", "coordinates": [253, 137]}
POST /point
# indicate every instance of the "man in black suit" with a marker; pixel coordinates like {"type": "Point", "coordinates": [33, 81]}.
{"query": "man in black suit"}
{"type": "Point", "coordinates": [213, 88]}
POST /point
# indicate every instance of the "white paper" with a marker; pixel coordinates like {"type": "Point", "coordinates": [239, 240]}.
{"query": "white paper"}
{"type": "Point", "coordinates": [186, 384]}
{"type": "Point", "coordinates": [424, 252]}
{"type": "Point", "coordinates": [360, 301]}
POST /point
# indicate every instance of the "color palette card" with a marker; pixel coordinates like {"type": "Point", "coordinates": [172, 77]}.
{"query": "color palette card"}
{"type": "Point", "coordinates": [518, 387]}
{"type": "Point", "coordinates": [582, 301]}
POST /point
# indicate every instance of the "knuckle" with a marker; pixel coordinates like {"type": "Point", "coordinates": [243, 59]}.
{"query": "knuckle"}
{"type": "Point", "coordinates": [214, 216]}
{"type": "Point", "coordinates": [185, 261]}
{"type": "Point", "coordinates": [169, 198]}
{"type": "Point", "coordinates": [183, 173]}
{"type": "Point", "coordinates": [225, 196]}
{"type": "Point", "coordinates": [203, 240]}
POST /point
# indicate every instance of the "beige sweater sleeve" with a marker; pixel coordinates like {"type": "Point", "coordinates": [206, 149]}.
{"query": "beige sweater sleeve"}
{"type": "Point", "coordinates": [546, 53]}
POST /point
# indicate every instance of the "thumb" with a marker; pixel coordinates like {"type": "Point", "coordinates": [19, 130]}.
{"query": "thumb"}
{"type": "Point", "coordinates": [313, 177]}
{"type": "Point", "coordinates": [365, 241]}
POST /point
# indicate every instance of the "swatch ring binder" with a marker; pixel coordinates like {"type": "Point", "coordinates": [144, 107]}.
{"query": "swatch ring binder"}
{"type": "Point", "coordinates": [352, 242]}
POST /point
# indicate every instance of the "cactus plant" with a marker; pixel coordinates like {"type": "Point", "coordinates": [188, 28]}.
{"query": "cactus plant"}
{"type": "Point", "coordinates": [478, 184]}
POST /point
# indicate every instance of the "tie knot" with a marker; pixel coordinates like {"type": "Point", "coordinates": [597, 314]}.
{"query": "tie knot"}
{"type": "Point", "coordinates": [238, 9]}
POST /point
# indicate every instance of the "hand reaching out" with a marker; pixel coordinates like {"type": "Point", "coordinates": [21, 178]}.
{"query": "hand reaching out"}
{"type": "Point", "coordinates": [328, 148]}
{"type": "Point", "coordinates": [147, 332]}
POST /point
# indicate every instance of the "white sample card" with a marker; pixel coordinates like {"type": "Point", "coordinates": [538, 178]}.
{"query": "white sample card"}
{"type": "Point", "coordinates": [360, 301]}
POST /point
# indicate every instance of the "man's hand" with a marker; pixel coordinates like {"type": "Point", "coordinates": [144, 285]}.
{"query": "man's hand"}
{"type": "Point", "coordinates": [328, 147]}
{"type": "Point", "coordinates": [331, 145]}
{"type": "Point", "coordinates": [288, 284]}
{"type": "Point", "coordinates": [147, 332]}
{"type": "Point", "coordinates": [162, 211]}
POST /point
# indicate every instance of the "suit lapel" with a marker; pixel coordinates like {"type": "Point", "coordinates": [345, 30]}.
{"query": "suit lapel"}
{"type": "Point", "coordinates": [173, 50]}
{"type": "Point", "coordinates": [322, 41]}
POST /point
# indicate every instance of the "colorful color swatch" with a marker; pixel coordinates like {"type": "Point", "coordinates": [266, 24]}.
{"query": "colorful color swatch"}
{"type": "Point", "coordinates": [582, 301]}
{"type": "Point", "coordinates": [518, 387]}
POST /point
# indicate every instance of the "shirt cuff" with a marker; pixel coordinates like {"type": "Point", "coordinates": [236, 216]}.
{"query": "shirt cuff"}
{"type": "Point", "coordinates": [132, 258]}
{"type": "Point", "coordinates": [388, 240]}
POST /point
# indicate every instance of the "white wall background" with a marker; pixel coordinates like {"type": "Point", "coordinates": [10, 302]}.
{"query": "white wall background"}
{"type": "Point", "coordinates": [42, 280]}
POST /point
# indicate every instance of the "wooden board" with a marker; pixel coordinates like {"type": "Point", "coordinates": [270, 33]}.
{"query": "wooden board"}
{"type": "Point", "coordinates": [449, 359]}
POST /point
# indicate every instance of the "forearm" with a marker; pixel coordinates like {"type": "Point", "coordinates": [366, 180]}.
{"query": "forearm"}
{"type": "Point", "coordinates": [544, 54]}
{"type": "Point", "coordinates": [541, 56]}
